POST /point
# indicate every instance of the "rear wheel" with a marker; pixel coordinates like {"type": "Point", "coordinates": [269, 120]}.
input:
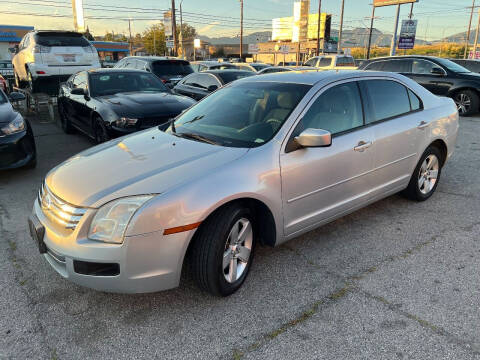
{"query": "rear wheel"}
{"type": "Point", "coordinates": [32, 83]}
{"type": "Point", "coordinates": [99, 131]}
{"type": "Point", "coordinates": [467, 102]}
{"type": "Point", "coordinates": [18, 83]}
{"type": "Point", "coordinates": [222, 252]}
{"type": "Point", "coordinates": [425, 178]}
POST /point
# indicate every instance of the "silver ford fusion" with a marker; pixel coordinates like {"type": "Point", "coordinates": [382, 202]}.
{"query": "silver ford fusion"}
{"type": "Point", "coordinates": [261, 160]}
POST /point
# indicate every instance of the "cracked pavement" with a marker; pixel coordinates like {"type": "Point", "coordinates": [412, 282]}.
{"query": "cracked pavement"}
{"type": "Point", "coordinates": [395, 280]}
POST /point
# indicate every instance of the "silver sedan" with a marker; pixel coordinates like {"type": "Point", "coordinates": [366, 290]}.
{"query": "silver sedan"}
{"type": "Point", "coordinates": [263, 160]}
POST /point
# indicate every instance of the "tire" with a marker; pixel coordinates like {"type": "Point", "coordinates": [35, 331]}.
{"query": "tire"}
{"type": "Point", "coordinates": [64, 121]}
{"type": "Point", "coordinates": [100, 134]}
{"type": "Point", "coordinates": [467, 102]}
{"type": "Point", "coordinates": [18, 83]}
{"type": "Point", "coordinates": [219, 261]}
{"type": "Point", "coordinates": [30, 147]}
{"type": "Point", "coordinates": [423, 182]}
{"type": "Point", "coordinates": [32, 83]}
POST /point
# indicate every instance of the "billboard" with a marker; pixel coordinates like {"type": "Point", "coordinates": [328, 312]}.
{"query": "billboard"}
{"type": "Point", "coordinates": [407, 34]}
{"type": "Point", "coordinates": [167, 23]}
{"type": "Point", "coordinates": [282, 28]}
{"type": "Point", "coordinates": [378, 3]}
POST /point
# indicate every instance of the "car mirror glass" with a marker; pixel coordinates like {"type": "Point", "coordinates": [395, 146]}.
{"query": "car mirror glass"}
{"type": "Point", "coordinates": [212, 88]}
{"type": "Point", "coordinates": [314, 138]}
{"type": "Point", "coordinates": [437, 71]}
{"type": "Point", "coordinates": [16, 96]}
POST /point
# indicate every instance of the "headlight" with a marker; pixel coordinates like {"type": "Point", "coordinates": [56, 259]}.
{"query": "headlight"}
{"type": "Point", "coordinates": [110, 222]}
{"type": "Point", "coordinates": [17, 125]}
{"type": "Point", "coordinates": [125, 121]}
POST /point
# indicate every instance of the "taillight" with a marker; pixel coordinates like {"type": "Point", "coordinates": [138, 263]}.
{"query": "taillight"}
{"type": "Point", "coordinates": [41, 72]}
{"type": "Point", "coordinates": [164, 81]}
{"type": "Point", "coordinates": [39, 49]}
{"type": "Point", "coordinates": [90, 49]}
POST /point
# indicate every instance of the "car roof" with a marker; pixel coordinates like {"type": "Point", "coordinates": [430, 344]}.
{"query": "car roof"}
{"type": "Point", "coordinates": [226, 71]}
{"type": "Point", "coordinates": [155, 58]}
{"type": "Point", "coordinates": [110, 70]}
{"type": "Point", "coordinates": [405, 57]}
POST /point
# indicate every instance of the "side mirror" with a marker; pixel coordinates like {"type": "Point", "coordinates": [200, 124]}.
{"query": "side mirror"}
{"type": "Point", "coordinates": [437, 71]}
{"type": "Point", "coordinates": [78, 91]}
{"type": "Point", "coordinates": [16, 96]}
{"type": "Point", "coordinates": [212, 88]}
{"type": "Point", "coordinates": [314, 138]}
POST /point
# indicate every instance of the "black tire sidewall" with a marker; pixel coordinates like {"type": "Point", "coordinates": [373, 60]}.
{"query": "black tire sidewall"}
{"type": "Point", "coordinates": [98, 126]}
{"type": "Point", "coordinates": [220, 237]}
{"type": "Point", "coordinates": [474, 101]}
{"type": "Point", "coordinates": [414, 181]}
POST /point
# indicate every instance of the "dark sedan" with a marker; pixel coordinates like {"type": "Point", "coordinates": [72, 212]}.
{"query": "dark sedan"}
{"type": "Point", "coordinates": [199, 85]}
{"type": "Point", "coordinates": [440, 76]}
{"type": "Point", "coordinates": [108, 103]}
{"type": "Point", "coordinates": [17, 144]}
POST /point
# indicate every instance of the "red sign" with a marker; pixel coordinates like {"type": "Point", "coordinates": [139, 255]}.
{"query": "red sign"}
{"type": "Point", "coordinates": [378, 3]}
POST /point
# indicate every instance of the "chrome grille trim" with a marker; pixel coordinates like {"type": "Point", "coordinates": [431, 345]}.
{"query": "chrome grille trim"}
{"type": "Point", "coordinates": [59, 211]}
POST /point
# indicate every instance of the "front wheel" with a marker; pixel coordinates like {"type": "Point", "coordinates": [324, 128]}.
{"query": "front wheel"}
{"type": "Point", "coordinates": [467, 102]}
{"type": "Point", "coordinates": [222, 252]}
{"type": "Point", "coordinates": [64, 120]}
{"type": "Point", "coordinates": [425, 178]}
{"type": "Point", "coordinates": [99, 131]}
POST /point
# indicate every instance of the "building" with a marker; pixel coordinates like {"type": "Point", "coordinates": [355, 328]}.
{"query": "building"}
{"type": "Point", "coordinates": [11, 35]}
{"type": "Point", "coordinates": [110, 50]}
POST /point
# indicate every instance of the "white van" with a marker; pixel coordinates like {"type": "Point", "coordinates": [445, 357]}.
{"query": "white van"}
{"type": "Point", "coordinates": [52, 55]}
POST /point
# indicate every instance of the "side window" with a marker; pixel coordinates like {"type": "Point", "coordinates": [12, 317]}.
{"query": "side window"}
{"type": "Point", "coordinates": [311, 62]}
{"type": "Point", "coordinates": [192, 81]}
{"type": "Point", "coordinates": [206, 80]}
{"type": "Point", "coordinates": [338, 109]}
{"type": "Point", "coordinates": [387, 99]}
{"type": "Point", "coordinates": [140, 65]}
{"type": "Point", "coordinates": [399, 66]}
{"type": "Point", "coordinates": [376, 66]}
{"type": "Point", "coordinates": [80, 81]}
{"type": "Point", "coordinates": [423, 67]}
{"type": "Point", "coordinates": [325, 62]}
{"type": "Point", "coordinates": [415, 102]}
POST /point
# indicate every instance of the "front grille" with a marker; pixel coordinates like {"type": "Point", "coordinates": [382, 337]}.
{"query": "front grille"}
{"type": "Point", "coordinates": [149, 122]}
{"type": "Point", "coordinates": [59, 211]}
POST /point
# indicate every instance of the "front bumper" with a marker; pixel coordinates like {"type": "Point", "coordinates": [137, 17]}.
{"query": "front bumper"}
{"type": "Point", "coordinates": [16, 150]}
{"type": "Point", "coordinates": [144, 263]}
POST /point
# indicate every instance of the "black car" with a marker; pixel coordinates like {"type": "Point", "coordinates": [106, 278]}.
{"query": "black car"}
{"type": "Point", "coordinates": [199, 85]}
{"type": "Point", "coordinates": [440, 76]}
{"type": "Point", "coordinates": [470, 64]}
{"type": "Point", "coordinates": [169, 69]}
{"type": "Point", "coordinates": [17, 144]}
{"type": "Point", "coordinates": [211, 65]}
{"type": "Point", "coordinates": [107, 103]}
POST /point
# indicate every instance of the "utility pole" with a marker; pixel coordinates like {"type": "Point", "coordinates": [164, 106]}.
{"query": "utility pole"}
{"type": "Point", "coordinates": [154, 43]}
{"type": "Point", "coordinates": [319, 22]}
{"type": "Point", "coordinates": [476, 38]}
{"type": "Point", "coordinates": [130, 31]}
{"type": "Point", "coordinates": [241, 30]}
{"type": "Point", "coordinates": [339, 45]}
{"type": "Point", "coordinates": [371, 30]}
{"type": "Point", "coordinates": [393, 48]}
{"type": "Point", "coordinates": [181, 31]}
{"type": "Point", "coordinates": [174, 30]}
{"type": "Point", "coordinates": [467, 40]}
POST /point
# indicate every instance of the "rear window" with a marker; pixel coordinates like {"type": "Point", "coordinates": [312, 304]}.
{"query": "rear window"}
{"type": "Point", "coordinates": [6, 65]}
{"type": "Point", "coordinates": [228, 77]}
{"type": "Point", "coordinates": [345, 61]}
{"type": "Point", "coordinates": [61, 39]}
{"type": "Point", "coordinates": [171, 67]}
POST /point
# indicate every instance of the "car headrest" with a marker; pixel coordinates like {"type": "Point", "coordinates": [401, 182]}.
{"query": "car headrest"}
{"type": "Point", "coordinates": [285, 100]}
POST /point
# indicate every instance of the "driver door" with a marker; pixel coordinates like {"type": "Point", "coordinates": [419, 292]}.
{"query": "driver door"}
{"type": "Point", "coordinates": [319, 184]}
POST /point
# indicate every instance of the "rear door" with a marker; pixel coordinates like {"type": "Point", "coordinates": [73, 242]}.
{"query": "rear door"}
{"type": "Point", "coordinates": [422, 73]}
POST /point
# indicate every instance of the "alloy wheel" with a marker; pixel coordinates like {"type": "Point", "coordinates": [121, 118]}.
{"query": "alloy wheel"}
{"type": "Point", "coordinates": [428, 174]}
{"type": "Point", "coordinates": [463, 102]}
{"type": "Point", "coordinates": [237, 250]}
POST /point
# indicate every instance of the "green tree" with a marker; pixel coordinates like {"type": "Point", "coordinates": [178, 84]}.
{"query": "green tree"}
{"type": "Point", "coordinates": [154, 39]}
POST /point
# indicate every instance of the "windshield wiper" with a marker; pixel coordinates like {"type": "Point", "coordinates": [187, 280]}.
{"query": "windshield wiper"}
{"type": "Point", "coordinates": [197, 138]}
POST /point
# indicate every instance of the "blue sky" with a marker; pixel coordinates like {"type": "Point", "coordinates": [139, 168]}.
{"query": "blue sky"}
{"type": "Point", "coordinates": [437, 18]}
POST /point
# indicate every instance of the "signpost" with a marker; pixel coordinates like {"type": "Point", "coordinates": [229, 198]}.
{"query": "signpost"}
{"type": "Point", "coordinates": [407, 34]}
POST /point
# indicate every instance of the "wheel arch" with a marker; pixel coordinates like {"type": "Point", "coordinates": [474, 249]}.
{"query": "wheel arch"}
{"type": "Point", "coordinates": [462, 87]}
{"type": "Point", "coordinates": [441, 145]}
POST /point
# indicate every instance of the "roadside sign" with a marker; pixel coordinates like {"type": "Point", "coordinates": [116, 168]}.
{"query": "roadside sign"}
{"type": "Point", "coordinates": [169, 44]}
{"type": "Point", "coordinates": [471, 56]}
{"type": "Point", "coordinates": [347, 51]}
{"type": "Point", "coordinates": [407, 34]}
{"type": "Point", "coordinates": [253, 48]}
{"type": "Point", "coordinates": [378, 3]}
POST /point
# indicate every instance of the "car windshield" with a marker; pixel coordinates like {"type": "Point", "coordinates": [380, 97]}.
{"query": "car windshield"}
{"type": "Point", "coordinates": [229, 76]}
{"type": "Point", "coordinates": [171, 67]}
{"type": "Point", "coordinates": [246, 114]}
{"type": "Point", "coordinates": [61, 39]}
{"type": "Point", "coordinates": [450, 65]}
{"type": "Point", "coordinates": [116, 82]}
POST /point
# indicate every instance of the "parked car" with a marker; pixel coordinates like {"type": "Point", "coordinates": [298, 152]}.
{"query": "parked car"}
{"type": "Point", "coordinates": [107, 103]}
{"type": "Point", "coordinates": [211, 65]}
{"type": "Point", "coordinates": [17, 144]}
{"type": "Point", "coordinates": [6, 70]}
{"type": "Point", "coordinates": [199, 85]}
{"type": "Point", "coordinates": [332, 62]}
{"type": "Point", "coordinates": [274, 69]}
{"type": "Point", "coordinates": [287, 63]}
{"type": "Point", "coordinates": [440, 76]}
{"type": "Point", "coordinates": [245, 67]}
{"type": "Point", "coordinates": [169, 69]}
{"type": "Point", "coordinates": [46, 57]}
{"type": "Point", "coordinates": [263, 160]}
{"type": "Point", "coordinates": [470, 64]}
{"type": "Point", "coordinates": [259, 66]}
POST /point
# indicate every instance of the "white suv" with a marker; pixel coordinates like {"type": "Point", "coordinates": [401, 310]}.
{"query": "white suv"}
{"type": "Point", "coordinates": [332, 62]}
{"type": "Point", "coordinates": [46, 55]}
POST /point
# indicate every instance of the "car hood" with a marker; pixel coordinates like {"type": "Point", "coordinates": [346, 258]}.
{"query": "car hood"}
{"type": "Point", "coordinates": [6, 113]}
{"type": "Point", "coordinates": [144, 104]}
{"type": "Point", "coordinates": [148, 162]}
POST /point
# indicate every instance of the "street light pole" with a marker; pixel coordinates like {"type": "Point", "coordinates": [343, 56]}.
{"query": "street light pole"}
{"type": "Point", "coordinates": [174, 30]}
{"type": "Point", "coordinates": [339, 45]}
{"type": "Point", "coordinates": [318, 28]}
{"type": "Point", "coordinates": [371, 30]}
{"type": "Point", "coordinates": [130, 31]}
{"type": "Point", "coordinates": [181, 30]}
{"type": "Point", "coordinates": [467, 40]}
{"type": "Point", "coordinates": [393, 48]}
{"type": "Point", "coordinates": [241, 30]}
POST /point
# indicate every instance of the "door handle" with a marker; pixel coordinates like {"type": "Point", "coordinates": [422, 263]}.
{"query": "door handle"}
{"type": "Point", "coordinates": [423, 125]}
{"type": "Point", "coordinates": [362, 146]}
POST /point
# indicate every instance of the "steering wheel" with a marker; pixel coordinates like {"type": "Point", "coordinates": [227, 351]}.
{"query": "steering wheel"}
{"type": "Point", "coordinates": [274, 123]}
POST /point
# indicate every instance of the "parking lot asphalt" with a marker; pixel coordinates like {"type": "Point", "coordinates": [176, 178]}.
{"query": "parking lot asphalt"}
{"type": "Point", "coordinates": [396, 280]}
